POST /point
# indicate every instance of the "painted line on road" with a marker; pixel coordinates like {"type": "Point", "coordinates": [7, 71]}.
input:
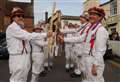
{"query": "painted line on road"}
{"type": "Point", "coordinates": [114, 63]}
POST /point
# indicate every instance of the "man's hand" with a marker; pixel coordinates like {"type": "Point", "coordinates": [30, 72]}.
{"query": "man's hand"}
{"type": "Point", "coordinates": [61, 39]}
{"type": "Point", "coordinates": [21, 23]}
{"type": "Point", "coordinates": [94, 70]}
{"type": "Point", "coordinates": [50, 33]}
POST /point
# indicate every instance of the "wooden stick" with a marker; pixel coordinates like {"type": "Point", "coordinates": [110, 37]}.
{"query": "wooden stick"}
{"type": "Point", "coordinates": [50, 40]}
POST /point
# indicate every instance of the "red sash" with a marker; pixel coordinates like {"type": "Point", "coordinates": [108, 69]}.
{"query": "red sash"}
{"type": "Point", "coordinates": [93, 26]}
{"type": "Point", "coordinates": [83, 29]}
{"type": "Point", "coordinates": [87, 32]}
{"type": "Point", "coordinates": [92, 40]}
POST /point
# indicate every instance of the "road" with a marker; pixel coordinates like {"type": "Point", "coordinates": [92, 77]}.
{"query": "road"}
{"type": "Point", "coordinates": [111, 73]}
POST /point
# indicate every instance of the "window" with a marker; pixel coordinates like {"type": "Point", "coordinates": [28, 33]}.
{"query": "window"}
{"type": "Point", "coordinates": [27, 1]}
{"type": "Point", "coordinates": [113, 7]}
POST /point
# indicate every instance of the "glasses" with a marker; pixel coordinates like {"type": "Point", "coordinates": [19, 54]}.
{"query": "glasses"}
{"type": "Point", "coordinates": [95, 14]}
{"type": "Point", "coordinates": [20, 16]}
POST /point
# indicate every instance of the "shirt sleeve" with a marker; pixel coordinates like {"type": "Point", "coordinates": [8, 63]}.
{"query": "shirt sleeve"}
{"type": "Point", "coordinates": [24, 35]}
{"type": "Point", "coordinates": [68, 31]}
{"type": "Point", "coordinates": [75, 39]}
{"type": "Point", "coordinates": [39, 42]}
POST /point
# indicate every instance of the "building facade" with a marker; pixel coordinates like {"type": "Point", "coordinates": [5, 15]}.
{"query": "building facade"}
{"type": "Point", "coordinates": [90, 3]}
{"type": "Point", "coordinates": [59, 19]}
{"type": "Point", "coordinates": [106, 7]}
{"type": "Point", "coordinates": [7, 5]}
{"type": "Point", "coordinates": [2, 10]}
{"type": "Point", "coordinates": [113, 15]}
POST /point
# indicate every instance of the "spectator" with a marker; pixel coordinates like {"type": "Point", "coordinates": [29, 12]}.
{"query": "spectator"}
{"type": "Point", "coordinates": [114, 35]}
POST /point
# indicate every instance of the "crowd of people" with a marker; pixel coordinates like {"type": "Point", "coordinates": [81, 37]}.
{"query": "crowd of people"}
{"type": "Point", "coordinates": [71, 25]}
{"type": "Point", "coordinates": [84, 45]}
{"type": "Point", "coordinates": [114, 35]}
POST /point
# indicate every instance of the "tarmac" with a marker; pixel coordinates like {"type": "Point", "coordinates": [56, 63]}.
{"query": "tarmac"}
{"type": "Point", "coordinates": [58, 73]}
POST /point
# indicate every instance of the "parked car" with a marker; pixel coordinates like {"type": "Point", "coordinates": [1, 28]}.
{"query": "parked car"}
{"type": "Point", "coordinates": [4, 53]}
{"type": "Point", "coordinates": [2, 35]}
{"type": "Point", "coordinates": [3, 46]}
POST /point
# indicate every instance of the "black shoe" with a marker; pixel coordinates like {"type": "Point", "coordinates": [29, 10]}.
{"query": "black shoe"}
{"type": "Point", "coordinates": [73, 75]}
{"type": "Point", "coordinates": [67, 70]}
{"type": "Point", "coordinates": [43, 74]}
{"type": "Point", "coordinates": [46, 68]}
{"type": "Point", "coordinates": [51, 67]}
{"type": "Point", "coordinates": [72, 69]}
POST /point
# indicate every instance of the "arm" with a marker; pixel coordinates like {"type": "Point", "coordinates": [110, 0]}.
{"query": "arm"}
{"type": "Point", "coordinates": [40, 42]}
{"type": "Point", "coordinates": [76, 39]}
{"type": "Point", "coordinates": [19, 33]}
{"type": "Point", "coordinates": [68, 31]}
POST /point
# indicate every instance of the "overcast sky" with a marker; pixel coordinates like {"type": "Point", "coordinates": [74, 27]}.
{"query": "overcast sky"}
{"type": "Point", "coordinates": [67, 7]}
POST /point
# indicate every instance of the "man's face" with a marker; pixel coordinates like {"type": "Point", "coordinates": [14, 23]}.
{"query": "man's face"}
{"type": "Point", "coordinates": [19, 18]}
{"type": "Point", "coordinates": [82, 20]}
{"type": "Point", "coordinates": [93, 17]}
{"type": "Point", "coordinates": [37, 30]}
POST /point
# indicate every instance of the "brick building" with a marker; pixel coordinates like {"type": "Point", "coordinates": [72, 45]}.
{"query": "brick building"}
{"type": "Point", "coordinates": [5, 10]}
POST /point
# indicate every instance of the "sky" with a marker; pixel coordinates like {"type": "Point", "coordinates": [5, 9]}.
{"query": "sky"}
{"type": "Point", "coordinates": [67, 7]}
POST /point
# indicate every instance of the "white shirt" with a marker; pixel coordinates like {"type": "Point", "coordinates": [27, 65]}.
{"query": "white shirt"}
{"type": "Point", "coordinates": [100, 46]}
{"type": "Point", "coordinates": [37, 46]}
{"type": "Point", "coordinates": [14, 36]}
{"type": "Point", "coordinates": [77, 38]}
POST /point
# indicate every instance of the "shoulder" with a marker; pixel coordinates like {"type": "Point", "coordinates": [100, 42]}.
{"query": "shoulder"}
{"type": "Point", "coordinates": [13, 27]}
{"type": "Point", "coordinates": [9, 27]}
{"type": "Point", "coordinates": [102, 31]}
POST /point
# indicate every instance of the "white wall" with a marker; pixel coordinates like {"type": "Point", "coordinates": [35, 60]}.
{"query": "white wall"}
{"type": "Point", "coordinates": [115, 45]}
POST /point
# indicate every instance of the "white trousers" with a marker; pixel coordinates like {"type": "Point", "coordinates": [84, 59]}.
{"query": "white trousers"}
{"type": "Point", "coordinates": [37, 62]}
{"type": "Point", "coordinates": [88, 62]}
{"type": "Point", "coordinates": [69, 56]}
{"type": "Point", "coordinates": [37, 65]}
{"type": "Point", "coordinates": [19, 66]}
{"type": "Point", "coordinates": [56, 50]}
{"type": "Point", "coordinates": [78, 58]}
{"type": "Point", "coordinates": [79, 65]}
{"type": "Point", "coordinates": [48, 57]}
